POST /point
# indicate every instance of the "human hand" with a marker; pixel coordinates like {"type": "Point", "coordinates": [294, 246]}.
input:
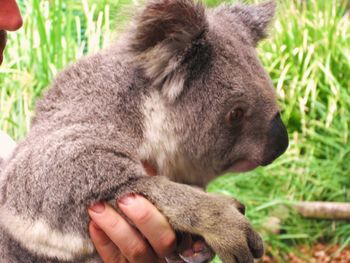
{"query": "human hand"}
{"type": "Point", "coordinates": [10, 20]}
{"type": "Point", "coordinates": [117, 241]}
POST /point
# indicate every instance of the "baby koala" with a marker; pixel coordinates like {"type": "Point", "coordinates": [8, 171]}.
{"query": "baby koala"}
{"type": "Point", "coordinates": [183, 93]}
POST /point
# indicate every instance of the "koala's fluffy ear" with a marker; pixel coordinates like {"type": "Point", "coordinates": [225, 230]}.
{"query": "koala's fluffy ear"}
{"type": "Point", "coordinates": [164, 31]}
{"type": "Point", "coordinates": [256, 18]}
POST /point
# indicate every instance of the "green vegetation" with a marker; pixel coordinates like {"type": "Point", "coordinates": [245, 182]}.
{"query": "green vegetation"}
{"type": "Point", "coordinates": [308, 58]}
{"type": "Point", "coordinates": [54, 33]}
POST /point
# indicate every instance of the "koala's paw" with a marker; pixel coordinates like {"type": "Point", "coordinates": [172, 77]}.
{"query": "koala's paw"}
{"type": "Point", "coordinates": [229, 233]}
{"type": "Point", "coordinates": [191, 249]}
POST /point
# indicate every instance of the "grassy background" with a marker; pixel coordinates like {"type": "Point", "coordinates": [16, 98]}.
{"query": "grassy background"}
{"type": "Point", "coordinates": [308, 58]}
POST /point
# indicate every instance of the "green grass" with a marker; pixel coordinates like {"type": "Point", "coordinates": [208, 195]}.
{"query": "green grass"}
{"type": "Point", "coordinates": [308, 58]}
{"type": "Point", "coordinates": [54, 34]}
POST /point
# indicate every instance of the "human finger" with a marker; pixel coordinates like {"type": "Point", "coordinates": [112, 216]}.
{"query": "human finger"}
{"type": "Point", "coordinates": [105, 247]}
{"type": "Point", "coordinates": [10, 16]}
{"type": "Point", "coordinates": [151, 223]}
{"type": "Point", "coordinates": [122, 234]}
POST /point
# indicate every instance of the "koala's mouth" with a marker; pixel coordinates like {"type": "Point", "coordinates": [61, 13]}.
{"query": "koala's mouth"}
{"type": "Point", "coordinates": [242, 166]}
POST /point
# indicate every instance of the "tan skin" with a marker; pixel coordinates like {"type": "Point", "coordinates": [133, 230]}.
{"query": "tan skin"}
{"type": "Point", "coordinates": [10, 20]}
{"type": "Point", "coordinates": [118, 241]}
{"type": "Point", "coordinates": [115, 239]}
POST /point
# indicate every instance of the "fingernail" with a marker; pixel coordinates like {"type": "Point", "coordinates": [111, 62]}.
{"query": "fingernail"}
{"type": "Point", "coordinates": [127, 199]}
{"type": "Point", "coordinates": [98, 207]}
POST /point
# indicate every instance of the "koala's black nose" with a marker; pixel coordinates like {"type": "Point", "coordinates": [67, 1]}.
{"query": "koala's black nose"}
{"type": "Point", "coordinates": [277, 140]}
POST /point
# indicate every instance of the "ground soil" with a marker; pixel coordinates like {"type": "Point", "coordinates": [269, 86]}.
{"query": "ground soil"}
{"type": "Point", "coordinates": [319, 253]}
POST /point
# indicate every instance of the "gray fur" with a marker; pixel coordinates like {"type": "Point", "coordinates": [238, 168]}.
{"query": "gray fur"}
{"type": "Point", "coordinates": [176, 74]}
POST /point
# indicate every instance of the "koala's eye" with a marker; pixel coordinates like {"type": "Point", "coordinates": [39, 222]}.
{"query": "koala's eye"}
{"type": "Point", "coordinates": [234, 116]}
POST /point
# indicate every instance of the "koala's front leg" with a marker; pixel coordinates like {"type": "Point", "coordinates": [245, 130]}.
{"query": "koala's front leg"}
{"type": "Point", "coordinates": [214, 217]}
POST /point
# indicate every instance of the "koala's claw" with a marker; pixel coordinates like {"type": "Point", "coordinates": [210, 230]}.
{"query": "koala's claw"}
{"type": "Point", "coordinates": [233, 240]}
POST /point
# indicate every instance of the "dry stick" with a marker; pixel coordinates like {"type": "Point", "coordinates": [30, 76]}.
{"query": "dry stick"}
{"type": "Point", "coordinates": [315, 210]}
{"type": "Point", "coordinates": [324, 210]}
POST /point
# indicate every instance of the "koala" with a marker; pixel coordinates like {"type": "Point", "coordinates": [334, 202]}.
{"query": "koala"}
{"type": "Point", "coordinates": [182, 94]}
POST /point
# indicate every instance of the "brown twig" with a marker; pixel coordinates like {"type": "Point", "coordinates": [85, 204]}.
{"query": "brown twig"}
{"type": "Point", "coordinates": [324, 210]}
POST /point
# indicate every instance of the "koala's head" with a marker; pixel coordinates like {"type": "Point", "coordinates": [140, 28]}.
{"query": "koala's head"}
{"type": "Point", "coordinates": [211, 106]}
